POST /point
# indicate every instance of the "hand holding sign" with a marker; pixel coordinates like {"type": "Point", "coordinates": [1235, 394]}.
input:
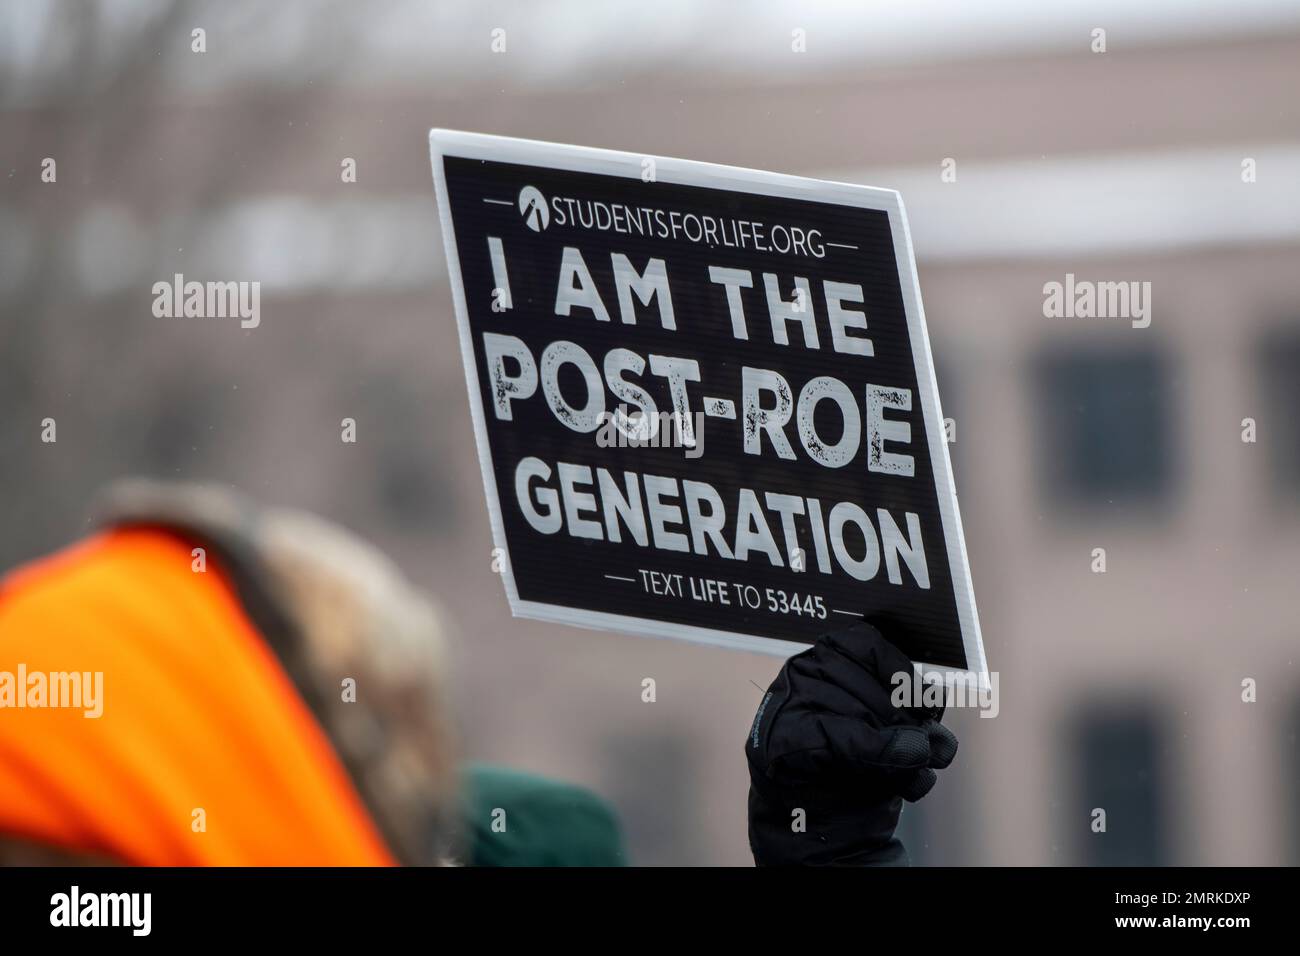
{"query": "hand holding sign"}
{"type": "Point", "coordinates": [828, 744]}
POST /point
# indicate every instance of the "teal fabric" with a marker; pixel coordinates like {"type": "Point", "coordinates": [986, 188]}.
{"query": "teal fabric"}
{"type": "Point", "coordinates": [539, 822]}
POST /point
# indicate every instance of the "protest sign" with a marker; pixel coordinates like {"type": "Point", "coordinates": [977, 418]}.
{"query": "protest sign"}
{"type": "Point", "coordinates": [703, 399]}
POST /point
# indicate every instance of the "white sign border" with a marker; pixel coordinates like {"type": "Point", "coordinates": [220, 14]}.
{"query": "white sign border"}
{"type": "Point", "coordinates": [583, 159]}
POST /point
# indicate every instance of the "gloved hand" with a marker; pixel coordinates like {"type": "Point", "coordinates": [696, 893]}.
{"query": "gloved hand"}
{"type": "Point", "coordinates": [828, 741]}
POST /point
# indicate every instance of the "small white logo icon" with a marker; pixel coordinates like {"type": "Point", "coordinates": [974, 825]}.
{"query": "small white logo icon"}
{"type": "Point", "coordinates": [532, 206]}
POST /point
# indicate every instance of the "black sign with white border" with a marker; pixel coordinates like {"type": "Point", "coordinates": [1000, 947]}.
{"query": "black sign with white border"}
{"type": "Point", "coordinates": [703, 398]}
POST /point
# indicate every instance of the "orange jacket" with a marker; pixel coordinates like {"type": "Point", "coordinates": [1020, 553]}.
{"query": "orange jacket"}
{"type": "Point", "coordinates": [204, 754]}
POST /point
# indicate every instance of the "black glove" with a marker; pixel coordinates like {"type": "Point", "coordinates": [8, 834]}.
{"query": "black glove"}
{"type": "Point", "coordinates": [828, 741]}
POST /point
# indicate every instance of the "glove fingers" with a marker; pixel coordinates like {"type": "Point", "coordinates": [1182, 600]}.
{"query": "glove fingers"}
{"type": "Point", "coordinates": [943, 744]}
{"type": "Point", "coordinates": [916, 786]}
{"type": "Point", "coordinates": [816, 745]}
{"type": "Point", "coordinates": [909, 747]}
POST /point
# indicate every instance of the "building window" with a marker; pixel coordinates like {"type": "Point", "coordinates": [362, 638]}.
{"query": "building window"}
{"type": "Point", "coordinates": [1279, 424]}
{"type": "Point", "coordinates": [1119, 767]}
{"type": "Point", "coordinates": [1106, 432]}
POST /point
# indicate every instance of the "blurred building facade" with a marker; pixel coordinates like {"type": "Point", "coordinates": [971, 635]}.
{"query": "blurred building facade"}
{"type": "Point", "coordinates": [1075, 438]}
